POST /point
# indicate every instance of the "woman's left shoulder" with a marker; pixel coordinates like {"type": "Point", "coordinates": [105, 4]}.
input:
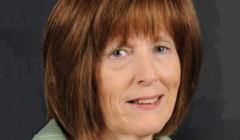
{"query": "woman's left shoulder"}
{"type": "Point", "coordinates": [50, 132]}
{"type": "Point", "coordinates": [164, 138]}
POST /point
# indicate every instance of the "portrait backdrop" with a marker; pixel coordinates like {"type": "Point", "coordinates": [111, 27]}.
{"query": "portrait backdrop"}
{"type": "Point", "coordinates": [215, 110]}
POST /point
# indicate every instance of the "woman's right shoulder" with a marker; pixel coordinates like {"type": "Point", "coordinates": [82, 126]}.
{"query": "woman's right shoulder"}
{"type": "Point", "coordinates": [50, 132]}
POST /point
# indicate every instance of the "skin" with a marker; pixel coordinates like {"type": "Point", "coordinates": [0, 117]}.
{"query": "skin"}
{"type": "Point", "coordinates": [134, 70]}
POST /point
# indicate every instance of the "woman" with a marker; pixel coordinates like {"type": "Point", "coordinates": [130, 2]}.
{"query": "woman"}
{"type": "Point", "coordinates": [119, 69]}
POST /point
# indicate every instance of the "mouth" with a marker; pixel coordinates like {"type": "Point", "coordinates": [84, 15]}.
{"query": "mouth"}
{"type": "Point", "coordinates": [145, 100]}
{"type": "Point", "coordinates": [149, 104]}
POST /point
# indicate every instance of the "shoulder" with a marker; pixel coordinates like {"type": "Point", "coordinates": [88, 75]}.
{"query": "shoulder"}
{"type": "Point", "coordinates": [50, 132]}
{"type": "Point", "coordinates": [53, 132]}
{"type": "Point", "coordinates": [164, 138]}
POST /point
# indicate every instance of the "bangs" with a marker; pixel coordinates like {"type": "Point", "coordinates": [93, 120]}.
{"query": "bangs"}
{"type": "Point", "coordinates": [122, 18]}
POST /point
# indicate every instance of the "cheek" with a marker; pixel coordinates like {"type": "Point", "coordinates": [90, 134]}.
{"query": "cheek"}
{"type": "Point", "coordinates": [173, 73]}
{"type": "Point", "coordinates": [113, 114]}
{"type": "Point", "coordinates": [171, 80]}
{"type": "Point", "coordinates": [109, 93]}
{"type": "Point", "coordinates": [113, 87]}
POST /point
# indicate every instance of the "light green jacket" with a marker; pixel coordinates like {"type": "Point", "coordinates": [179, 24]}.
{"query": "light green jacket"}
{"type": "Point", "coordinates": [53, 132]}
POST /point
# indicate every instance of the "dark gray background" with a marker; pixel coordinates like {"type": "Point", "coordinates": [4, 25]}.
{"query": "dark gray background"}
{"type": "Point", "coordinates": [214, 113]}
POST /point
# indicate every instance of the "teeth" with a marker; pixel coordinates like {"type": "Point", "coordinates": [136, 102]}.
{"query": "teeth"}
{"type": "Point", "coordinates": [147, 101]}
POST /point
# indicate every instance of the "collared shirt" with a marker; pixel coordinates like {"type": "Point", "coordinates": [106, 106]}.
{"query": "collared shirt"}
{"type": "Point", "coordinates": [53, 132]}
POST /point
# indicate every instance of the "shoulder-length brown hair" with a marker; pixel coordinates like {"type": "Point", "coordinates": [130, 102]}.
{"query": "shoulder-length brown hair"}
{"type": "Point", "coordinates": [75, 37]}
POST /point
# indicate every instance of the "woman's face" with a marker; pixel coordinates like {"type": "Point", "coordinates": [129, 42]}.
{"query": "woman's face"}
{"type": "Point", "coordinates": [141, 69]}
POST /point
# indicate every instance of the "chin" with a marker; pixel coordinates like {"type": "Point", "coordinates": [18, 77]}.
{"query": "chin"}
{"type": "Point", "coordinates": [150, 127]}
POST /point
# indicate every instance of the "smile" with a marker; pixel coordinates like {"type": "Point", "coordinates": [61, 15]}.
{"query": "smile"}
{"type": "Point", "coordinates": [146, 101]}
{"type": "Point", "coordinates": [146, 104]}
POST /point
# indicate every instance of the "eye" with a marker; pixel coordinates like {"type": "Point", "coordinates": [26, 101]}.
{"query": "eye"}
{"type": "Point", "coordinates": [161, 49]}
{"type": "Point", "coordinates": [118, 53]}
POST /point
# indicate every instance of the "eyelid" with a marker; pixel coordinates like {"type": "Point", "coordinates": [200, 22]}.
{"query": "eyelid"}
{"type": "Point", "coordinates": [156, 46]}
{"type": "Point", "coordinates": [127, 51]}
{"type": "Point", "coordinates": [164, 46]}
{"type": "Point", "coordinates": [118, 49]}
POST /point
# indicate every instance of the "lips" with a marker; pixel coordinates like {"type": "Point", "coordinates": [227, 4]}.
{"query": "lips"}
{"type": "Point", "coordinates": [145, 106]}
{"type": "Point", "coordinates": [144, 98]}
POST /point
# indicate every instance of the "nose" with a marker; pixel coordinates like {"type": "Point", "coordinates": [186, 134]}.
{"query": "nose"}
{"type": "Point", "coordinates": [146, 72]}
